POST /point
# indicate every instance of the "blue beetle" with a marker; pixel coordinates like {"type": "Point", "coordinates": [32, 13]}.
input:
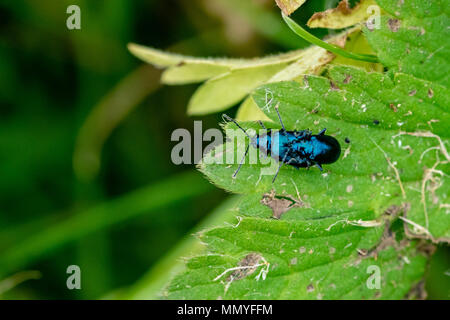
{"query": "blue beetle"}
{"type": "Point", "coordinates": [300, 149]}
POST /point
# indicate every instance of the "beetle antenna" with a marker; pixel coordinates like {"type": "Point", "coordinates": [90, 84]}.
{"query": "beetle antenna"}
{"type": "Point", "coordinates": [242, 161]}
{"type": "Point", "coordinates": [279, 117]}
{"type": "Point", "coordinates": [235, 122]}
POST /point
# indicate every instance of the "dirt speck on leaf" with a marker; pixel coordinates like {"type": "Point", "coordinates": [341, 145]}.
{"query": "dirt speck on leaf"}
{"type": "Point", "coordinates": [347, 79]}
{"type": "Point", "coordinates": [333, 86]}
{"type": "Point", "coordinates": [394, 24]}
{"type": "Point", "coordinates": [393, 107]}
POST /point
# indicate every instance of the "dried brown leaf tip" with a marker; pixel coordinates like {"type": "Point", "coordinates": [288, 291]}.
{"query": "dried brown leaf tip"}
{"type": "Point", "coordinates": [289, 6]}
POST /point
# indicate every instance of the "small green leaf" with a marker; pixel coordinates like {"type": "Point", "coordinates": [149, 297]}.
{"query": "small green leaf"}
{"type": "Point", "coordinates": [249, 111]}
{"type": "Point", "coordinates": [222, 92]}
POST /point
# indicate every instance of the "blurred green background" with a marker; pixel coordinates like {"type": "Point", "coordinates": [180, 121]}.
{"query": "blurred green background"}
{"type": "Point", "coordinates": [86, 176]}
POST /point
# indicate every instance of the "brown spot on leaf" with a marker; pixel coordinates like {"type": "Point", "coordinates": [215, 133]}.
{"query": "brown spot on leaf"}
{"type": "Point", "coordinates": [412, 92]}
{"type": "Point", "coordinates": [430, 93]}
{"type": "Point", "coordinates": [333, 86]}
{"type": "Point", "coordinates": [417, 292]}
{"type": "Point", "coordinates": [250, 260]}
{"type": "Point", "coordinates": [389, 237]}
{"type": "Point", "coordinates": [347, 79]}
{"type": "Point", "coordinates": [394, 24]}
{"type": "Point", "coordinates": [310, 288]}
{"type": "Point", "coordinates": [393, 210]}
{"type": "Point", "coordinates": [279, 204]}
{"type": "Point", "coordinates": [426, 248]}
{"type": "Point", "coordinates": [393, 107]}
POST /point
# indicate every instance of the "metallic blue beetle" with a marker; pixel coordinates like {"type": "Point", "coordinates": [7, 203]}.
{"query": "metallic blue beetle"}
{"type": "Point", "coordinates": [300, 149]}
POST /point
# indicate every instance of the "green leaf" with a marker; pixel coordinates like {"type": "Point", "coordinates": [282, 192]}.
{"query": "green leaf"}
{"type": "Point", "coordinates": [228, 81]}
{"type": "Point", "coordinates": [414, 39]}
{"type": "Point", "coordinates": [321, 235]}
{"type": "Point", "coordinates": [373, 111]}
{"type": "Point", "coordinates": [249, 111]}
{"type": "Point", "coordinates": [228, 89]}
{"type": "Point", "coordinates": [333, 225]}
{"type": "Point", "coordinates": [310, 264]}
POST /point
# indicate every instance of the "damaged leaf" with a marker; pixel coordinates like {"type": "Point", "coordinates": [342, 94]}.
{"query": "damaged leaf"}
{"type": "Point", "coordinates": [342, 16]}
{"type": "Point", "coordinates": [289, 6]}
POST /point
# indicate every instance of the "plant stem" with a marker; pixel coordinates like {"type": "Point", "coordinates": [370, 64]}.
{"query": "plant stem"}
{"type": "Point", "coordinates": [328, 46]}
{"type": "Point", "coordinates": [102, 216]}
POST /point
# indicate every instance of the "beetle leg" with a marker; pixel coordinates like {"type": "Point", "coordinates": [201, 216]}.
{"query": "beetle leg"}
{"type": "Point", "coordinates": [308, 164]}
{"type": "Point", "coordinates": [279, 167]}
{"type": "Point", "coordinates": [319, 166]}
{"type": "Point", "coordinates": [242, 161]}
{"type": "Point", "coordinates": [321, 133]}
{"type": "Point", "coordinates": [278, 170]}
